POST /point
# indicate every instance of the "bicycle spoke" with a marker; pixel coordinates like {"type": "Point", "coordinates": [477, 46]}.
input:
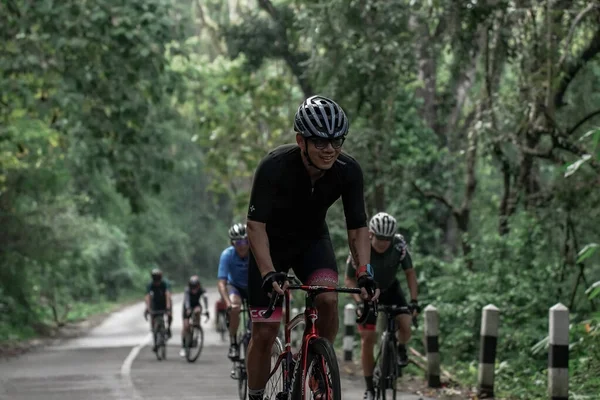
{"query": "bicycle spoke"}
{"type": "Point", "coordinates": [275, 384]}
{"type": "Point", "coordinates": [322, 378]}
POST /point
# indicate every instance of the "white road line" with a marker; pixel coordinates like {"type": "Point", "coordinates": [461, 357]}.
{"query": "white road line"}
{"type": "Point", "coordinates": [126, 367]}
{"type": "Point", "coordinates": [132, 393]}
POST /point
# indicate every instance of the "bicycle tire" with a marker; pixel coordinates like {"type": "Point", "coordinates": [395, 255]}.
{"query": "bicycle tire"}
{"type": "Point", "coordinates": [190, 355]}
{"type": "Point", "coordinates": [242, 374]}
{"type": "Point", "coordinates": [161, 348]}
{"type": "Point", "coordinates": [388, 371]}
{"type": "Point", "coordinates": [275, 384]}
{"type": "Point", "coordinates": [319, 349]}
{"type": "Point", "coordinates": [156, 336]}
{"type": "Point", "coordinates": [221, 325]}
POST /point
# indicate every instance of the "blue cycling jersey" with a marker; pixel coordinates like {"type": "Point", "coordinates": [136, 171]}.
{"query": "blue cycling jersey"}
{"type": "Point", "coordinates": [233, 268]}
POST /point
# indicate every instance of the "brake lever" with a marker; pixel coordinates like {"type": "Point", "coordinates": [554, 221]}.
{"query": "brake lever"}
{"type": "Point", "coordinates": [369, 307]}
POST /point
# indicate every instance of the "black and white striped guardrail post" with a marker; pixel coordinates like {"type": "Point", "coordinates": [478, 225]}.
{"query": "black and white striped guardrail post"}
{"type": "Point", "coordinates": [487, 351]}
{"type": "Point", "coordinates": [558, 355]}
{"type": "Point", "coordinates": [349, 324]}
{"type": "Point", "coordinates": [294, 332]}
{"type": "Point", "coordinates": [432, 330]}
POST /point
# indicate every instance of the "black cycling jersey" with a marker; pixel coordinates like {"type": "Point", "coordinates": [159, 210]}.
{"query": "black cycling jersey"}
{"type": "Point", "coordinates": [158, 294]}
{"type": "Point", "coordinates": [292, 207]}
{"type": "Point", "coordinates": [387, 264]}
{"type": "Point", "coordinates": [190, 299]}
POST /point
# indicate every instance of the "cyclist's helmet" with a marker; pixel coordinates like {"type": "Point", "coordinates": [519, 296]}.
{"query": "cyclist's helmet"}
{"type": "Point", "coordinates": [237, 232]}
{"type": "Point", "coordinates": [194, 281]}
{"type": "Point", "coordinates": [156, 274]}
{"type": "Point", "coordinates": [383, 224]}
{"type": "Point", "coordinates": [319, 116]}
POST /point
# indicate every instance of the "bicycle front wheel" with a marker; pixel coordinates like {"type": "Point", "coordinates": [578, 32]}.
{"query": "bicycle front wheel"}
{"type": "Point", "coordinates": [276, 382]}
{"type": "Point", "coordinates": [161, 345]}
{"type": "Point", "coordinates": [321, 380]}
{"type": "Point", "coordinates": [241, 366]}
{"type": "Point", "coordinates": [386, 388]}
{"type": "Point", "coordinates": [195, 343]}
{"type": "Point", "coordinates": [222, 326]}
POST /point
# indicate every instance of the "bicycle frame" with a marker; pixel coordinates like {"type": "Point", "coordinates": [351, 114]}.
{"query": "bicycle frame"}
{"type": "Point", "coordinates": [309, 317]}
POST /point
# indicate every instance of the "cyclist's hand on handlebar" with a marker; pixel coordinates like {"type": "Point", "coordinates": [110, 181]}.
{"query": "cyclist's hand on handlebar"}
{"type": "Point", "coordinates": [368, 286]}
{"type": "Point", "coordinates": [414, 307]}
{"type": "Point", "coordinates": [275, 282]}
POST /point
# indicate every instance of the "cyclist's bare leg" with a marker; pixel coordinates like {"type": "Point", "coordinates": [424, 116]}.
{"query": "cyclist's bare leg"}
{"type": "Point", "coordinates": [368, 338]}
{"type": "Point", "coordinates": [367, 342]}
{"type": "Point", "coordinates": [327, 307]}
{"type": "Point", "coordinates": [403, 333]}
{"type": "Point", "coordinates": [258, 359]}
{"type": "Point", "coordinates": [234, 315]}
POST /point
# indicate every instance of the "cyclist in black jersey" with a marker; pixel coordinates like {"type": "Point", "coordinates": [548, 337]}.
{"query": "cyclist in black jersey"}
{"type": "Point", "coordinates": [191, 303]}
{"type": "Point", "coordinates": [293, 188]}
{"type": "Point", "coordinates": [389, 253]}
{"type": "Point", "coordinates": [158, 298]}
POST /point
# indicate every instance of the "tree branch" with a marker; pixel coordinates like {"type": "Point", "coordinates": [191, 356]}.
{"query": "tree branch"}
{"type": "Point", "coordinates": [433, 195]}
{"type": "Point", "coordinates": [571, 71]}
{"type": "Point", "coordinates": [583, 120]}
{"type": "Point", "coordinates": [292, 60]}
{"type": "Point", "coordinates": [212, 28]}
{"type": "Point", "coordinates": [576, 22]}
{"type": "Point", "coordinates": [563, 143]}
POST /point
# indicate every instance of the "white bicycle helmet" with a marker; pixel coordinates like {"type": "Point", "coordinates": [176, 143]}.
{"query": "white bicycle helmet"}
{"type": "Point", "coordinates": [237, 232]}
{"type": "Point", "coordinates": [383, 224]}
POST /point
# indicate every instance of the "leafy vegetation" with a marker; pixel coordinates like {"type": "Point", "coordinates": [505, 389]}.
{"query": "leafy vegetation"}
{"type": "Point", "coordinates": [130, 133]}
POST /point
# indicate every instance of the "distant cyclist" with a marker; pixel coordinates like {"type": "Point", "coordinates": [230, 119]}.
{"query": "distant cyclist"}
{"type": "Point", "coordinates": [233, 281]}
{"type": "Point", "coordinates": [191, 303]}
{"type": "Point", "coordinates": [158, 298]}
{"type": "Point", "coordinates": [220, 311]}
{"type": "Point", "coordinates": [389, 253]}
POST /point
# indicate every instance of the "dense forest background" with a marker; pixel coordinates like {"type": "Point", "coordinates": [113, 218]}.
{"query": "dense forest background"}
{"type": "Point", "coordinates": [129, 133]}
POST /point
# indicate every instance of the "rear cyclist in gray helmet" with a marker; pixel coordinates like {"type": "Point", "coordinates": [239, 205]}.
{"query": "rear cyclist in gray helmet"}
{"type": "Point", "coordinates": [389, 253]}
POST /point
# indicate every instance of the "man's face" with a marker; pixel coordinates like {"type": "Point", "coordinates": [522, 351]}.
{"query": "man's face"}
{"type": "Point", "coordinates": [241, 247]}
{"type": "Point", "coordinates": [322, 152]}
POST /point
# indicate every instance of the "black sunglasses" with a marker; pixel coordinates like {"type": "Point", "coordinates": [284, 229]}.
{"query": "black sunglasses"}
{"type": "Point", "coordinates": [322, 143]}
{"type": "Point", "coordinates": [383, 238]}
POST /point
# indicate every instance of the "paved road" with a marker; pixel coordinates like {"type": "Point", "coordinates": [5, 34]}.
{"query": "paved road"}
{"type": "Point", "coordinates": [114, 362]}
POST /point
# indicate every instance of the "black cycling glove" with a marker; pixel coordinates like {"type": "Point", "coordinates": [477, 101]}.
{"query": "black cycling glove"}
{"type": "Point", "coordinates": [270, 277]}
{"type": "Point", "coordinates": [414, 306]}
{"type": "Point", "coordinates": [366, 281]}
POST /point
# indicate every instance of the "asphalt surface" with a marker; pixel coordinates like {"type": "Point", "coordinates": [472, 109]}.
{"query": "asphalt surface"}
{"type": "Point", "coordinates": [114, 362]}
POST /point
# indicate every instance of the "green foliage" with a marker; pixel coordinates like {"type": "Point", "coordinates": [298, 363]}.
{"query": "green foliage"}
{"type": "Point", "coordinates": [88, 138]}
{"type": "Point", "coordinates": [129, 134]}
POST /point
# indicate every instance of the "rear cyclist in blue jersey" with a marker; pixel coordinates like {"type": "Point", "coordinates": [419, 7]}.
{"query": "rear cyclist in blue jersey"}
{"type": "Point", "coordinates": [233, 281]}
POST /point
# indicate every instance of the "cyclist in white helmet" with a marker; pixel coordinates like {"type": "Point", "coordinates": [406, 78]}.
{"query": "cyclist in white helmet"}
{"type": "Point", "coordinates": [389, 253]}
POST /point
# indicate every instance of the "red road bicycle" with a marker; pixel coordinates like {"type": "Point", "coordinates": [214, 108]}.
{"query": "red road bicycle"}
{"type": "Point", "coordinates": [313, 372]}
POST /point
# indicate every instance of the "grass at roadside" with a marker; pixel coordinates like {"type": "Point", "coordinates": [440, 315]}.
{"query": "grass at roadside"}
{"type": "Point", "coordinates": [79, 312]}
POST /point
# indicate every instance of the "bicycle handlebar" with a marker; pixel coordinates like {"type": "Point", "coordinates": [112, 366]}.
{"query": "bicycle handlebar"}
{"type": "Point", "coordinates": [390, 309]}
{"type": "Point", "coordinates": [314, 290]}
